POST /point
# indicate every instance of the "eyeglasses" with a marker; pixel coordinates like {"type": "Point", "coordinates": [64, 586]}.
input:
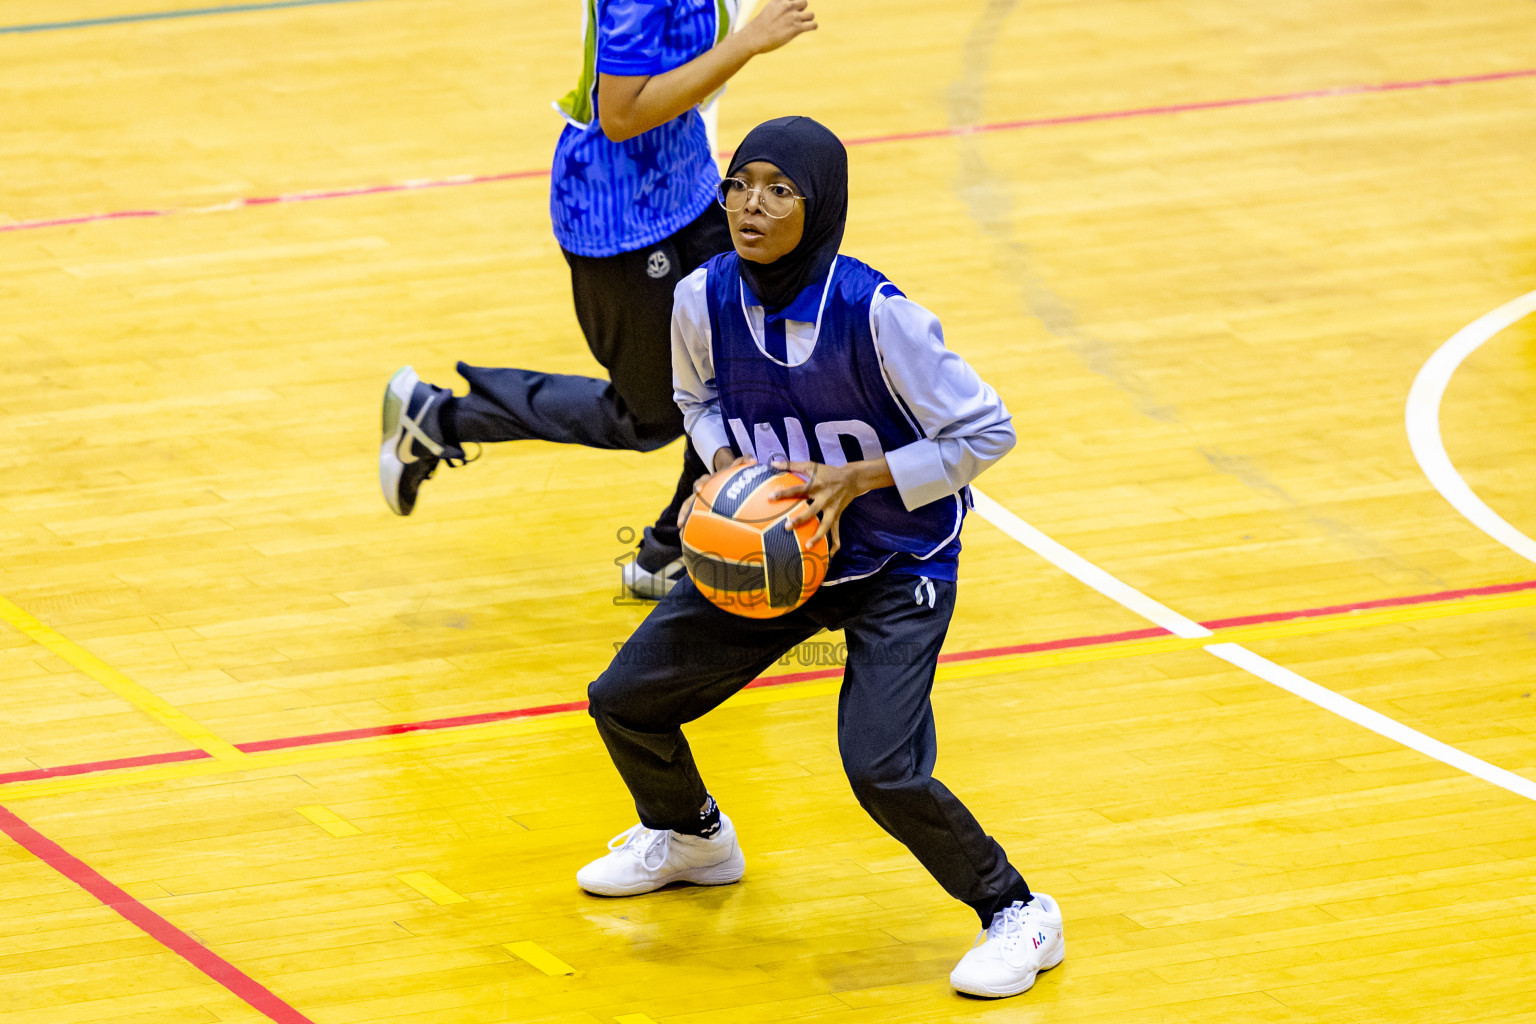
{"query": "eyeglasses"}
{"type": "Point", "coordinates": [777, 200]}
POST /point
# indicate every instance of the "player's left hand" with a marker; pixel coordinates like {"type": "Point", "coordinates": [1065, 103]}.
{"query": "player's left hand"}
{"type": "Point", "coordinates": [723, 464]}
{"type": "Point", "coordinates": [827, 490]}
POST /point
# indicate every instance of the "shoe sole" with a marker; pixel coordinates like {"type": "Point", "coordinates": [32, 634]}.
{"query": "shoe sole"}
{"type": "Point", "coordinates": [647, 586]}
{"type": "Point", "coordinates": [726, 872]}
{"type": "Point", "coordinates": [396, 394]}
{"type": "Point", "coordinates": [986, 992]}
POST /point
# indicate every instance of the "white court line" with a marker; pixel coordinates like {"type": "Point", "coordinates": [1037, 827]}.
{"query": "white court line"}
{"type": "Point", "coordinates": [1423, 416]}
{"type": "Point", "coordinates": [1375, 721]}
{"type": "Point", "coordinates": [1124, 594]}
{"type": "Point", "coordinates": [1084, 571]}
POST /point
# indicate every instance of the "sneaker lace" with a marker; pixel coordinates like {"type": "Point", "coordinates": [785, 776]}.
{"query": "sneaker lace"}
{"type": "Point", "coordinates": [454, 463]}
{"type": "Point", "coordinates": [413, 428]}
{"type": "Point", "coordinates": [1008, 927]}
{"type": "Point", "coordinates": [643, 843]}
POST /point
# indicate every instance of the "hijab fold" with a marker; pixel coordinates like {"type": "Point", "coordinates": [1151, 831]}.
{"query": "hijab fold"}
{"type": "Point", "coordinates": [815, 160]}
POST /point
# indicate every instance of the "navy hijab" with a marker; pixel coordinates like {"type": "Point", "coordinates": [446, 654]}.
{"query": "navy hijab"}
{"type": "Point", "coordinates": [815, 160]}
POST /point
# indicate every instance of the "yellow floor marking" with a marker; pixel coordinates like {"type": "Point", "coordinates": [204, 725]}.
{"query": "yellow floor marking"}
{"type": "Point", "coordinates": [431, 888]}
{"type": "Point", "coordinates": [762, 695]}
{"type": "Point", "coordinates": [633, 1018]}
{"type": "Point", "coordinates": [533, 953]}
{"type": "Point", "coordinates": [329, 820]}
{"type": "Point", "coordinates": [126, 688]}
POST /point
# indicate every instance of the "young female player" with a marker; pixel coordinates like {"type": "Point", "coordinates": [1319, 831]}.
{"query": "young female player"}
{"type": "Point", "coordinates": [632, 202]}
{"type": "Point", "coordinates": [787, 353]}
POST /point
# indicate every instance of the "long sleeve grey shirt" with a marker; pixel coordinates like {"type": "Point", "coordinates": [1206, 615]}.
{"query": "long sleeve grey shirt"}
{"type": "Point", "coordinates": [965, 425]}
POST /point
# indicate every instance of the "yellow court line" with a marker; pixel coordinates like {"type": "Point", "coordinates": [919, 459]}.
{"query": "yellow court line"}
{"type": "Point", "coordinates": [166, 714]}
{"type": "Point", "coordinates": [760, 695]}
{"type": "Point", "coordinates": [633, 1018]}
{"type": "Point", "coordinates": [536, 955]}
{"type": "Point", "coordinates": [329, 820]}
{"type": "Point", "coordinates": [431, 888]}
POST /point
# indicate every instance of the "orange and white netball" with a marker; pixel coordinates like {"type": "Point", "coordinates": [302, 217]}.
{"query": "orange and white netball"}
{"type": "Point", "coordinates": [738, 552]}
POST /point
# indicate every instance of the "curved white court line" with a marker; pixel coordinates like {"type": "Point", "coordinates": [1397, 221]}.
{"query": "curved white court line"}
{"type": "Point", "coordinates": [1124, 594]}
{"type": "Point", "coordinates": [1423, 417]}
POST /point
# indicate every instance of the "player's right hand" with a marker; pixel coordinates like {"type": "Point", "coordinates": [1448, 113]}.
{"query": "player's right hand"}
{"type": "Point", "coordinates": [777, 23]}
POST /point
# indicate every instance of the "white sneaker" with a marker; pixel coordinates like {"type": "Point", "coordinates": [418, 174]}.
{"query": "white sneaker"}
{"type": "Point", "coordinates": [643, 860]}
{"type": "Point", "coordinates": [651, 586]}
{"type": "Point", "coordinates": [1023, 940]}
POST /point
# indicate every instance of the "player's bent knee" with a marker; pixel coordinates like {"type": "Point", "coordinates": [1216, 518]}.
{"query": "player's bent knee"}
{"type": "Point", "coordinates": [875, 787]}
{"type": "Point", "coordinates": [602, 697]}
{"type": "Point", "coordinates": [615, 700]}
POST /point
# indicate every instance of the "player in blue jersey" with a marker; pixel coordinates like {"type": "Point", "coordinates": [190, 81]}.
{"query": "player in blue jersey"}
{"type": "Point", "coordinates": [632, 202]}
{"type": "Point", "coordinates": [787, 353]}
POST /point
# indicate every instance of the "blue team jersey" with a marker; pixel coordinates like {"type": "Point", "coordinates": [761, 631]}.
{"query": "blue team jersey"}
{"type": "Point", "coordinates": [835, 407]}
{"type": "Point", "coordinates": [611, 197]}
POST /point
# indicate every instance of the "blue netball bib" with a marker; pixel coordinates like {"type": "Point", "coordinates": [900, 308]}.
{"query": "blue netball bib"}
{"type": "Point", "coordinates": [833, 407]}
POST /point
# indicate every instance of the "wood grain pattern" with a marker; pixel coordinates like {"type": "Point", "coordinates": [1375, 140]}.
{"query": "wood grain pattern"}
{"type": "Point", "coordinates": [1204, 322]}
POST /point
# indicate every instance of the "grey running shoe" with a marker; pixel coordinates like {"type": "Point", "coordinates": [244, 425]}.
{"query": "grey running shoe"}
{"type": "Point", "coordinates": [412, 445]}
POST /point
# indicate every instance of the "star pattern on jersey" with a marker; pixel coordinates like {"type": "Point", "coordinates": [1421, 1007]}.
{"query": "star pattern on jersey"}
{"type": "Point", "coordinates": [573, 199]}
{"type": "Point", "coordinates": [646, 154]}
{"type": "Point", "coordinates": [604, 195]}
{"type": "Point", "coordinates": [573, 188]}
{"type": "Point", "coordinates": [575, 167]}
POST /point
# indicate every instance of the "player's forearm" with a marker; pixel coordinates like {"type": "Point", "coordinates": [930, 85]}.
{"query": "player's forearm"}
{"type": "Point", "coordinates": [933, 468]}
{"type": "Point", "coordinates": [627, 111]}
{"type": "Point", "coordinates": [629, 106]}
{"type": "Point", "coordinates": [870, 474]}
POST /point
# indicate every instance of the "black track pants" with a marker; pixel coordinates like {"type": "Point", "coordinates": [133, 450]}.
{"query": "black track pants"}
{"type": "Point", "coordinates": [624, 306]}
{"type": "Point", "coordinates": [688, 656]}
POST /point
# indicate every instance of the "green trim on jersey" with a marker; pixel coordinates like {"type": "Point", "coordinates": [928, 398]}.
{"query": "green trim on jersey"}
{"type": "Point", "coordinates": [578, 105]}
{"type": "Point", "coordinates": [725, 14]}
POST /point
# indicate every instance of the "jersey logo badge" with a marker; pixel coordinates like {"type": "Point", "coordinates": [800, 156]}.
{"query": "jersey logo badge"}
{"type": "Point", "coordinates": [658, 265]}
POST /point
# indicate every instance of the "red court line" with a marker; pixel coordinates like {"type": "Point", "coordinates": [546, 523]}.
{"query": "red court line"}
{"type": "Point", "coordinates": [1056, 645]}
{"type": "Point", "coordinates": [255, 994]}
{"type": "Point", "coordinates": [404, 186]}
{"type": "Point", "coordinates": [1184, 108]}
{"type": "Point", "coordinates": [103, 766]}
{"type": "Point", "coordinates": [483, 718]}
{"type": "Point", "coordinates": [83, 219]}
{"type": "Point", "coordinates": [368, 732]}
{"type": "Point", "coordinates": [285, 742]}
{"type": "Point", "coordinates": [1360, 606]}
{"type": "Point", "coordinates": [291, 197]}
{"type": "Point", "coordinates": [869, 140]}
{"type": "Point", "coordinates": [262, 999]}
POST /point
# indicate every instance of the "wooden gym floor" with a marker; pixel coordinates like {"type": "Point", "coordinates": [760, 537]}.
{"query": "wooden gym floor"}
{"type": "Point", "coordinates": [273, 754]}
